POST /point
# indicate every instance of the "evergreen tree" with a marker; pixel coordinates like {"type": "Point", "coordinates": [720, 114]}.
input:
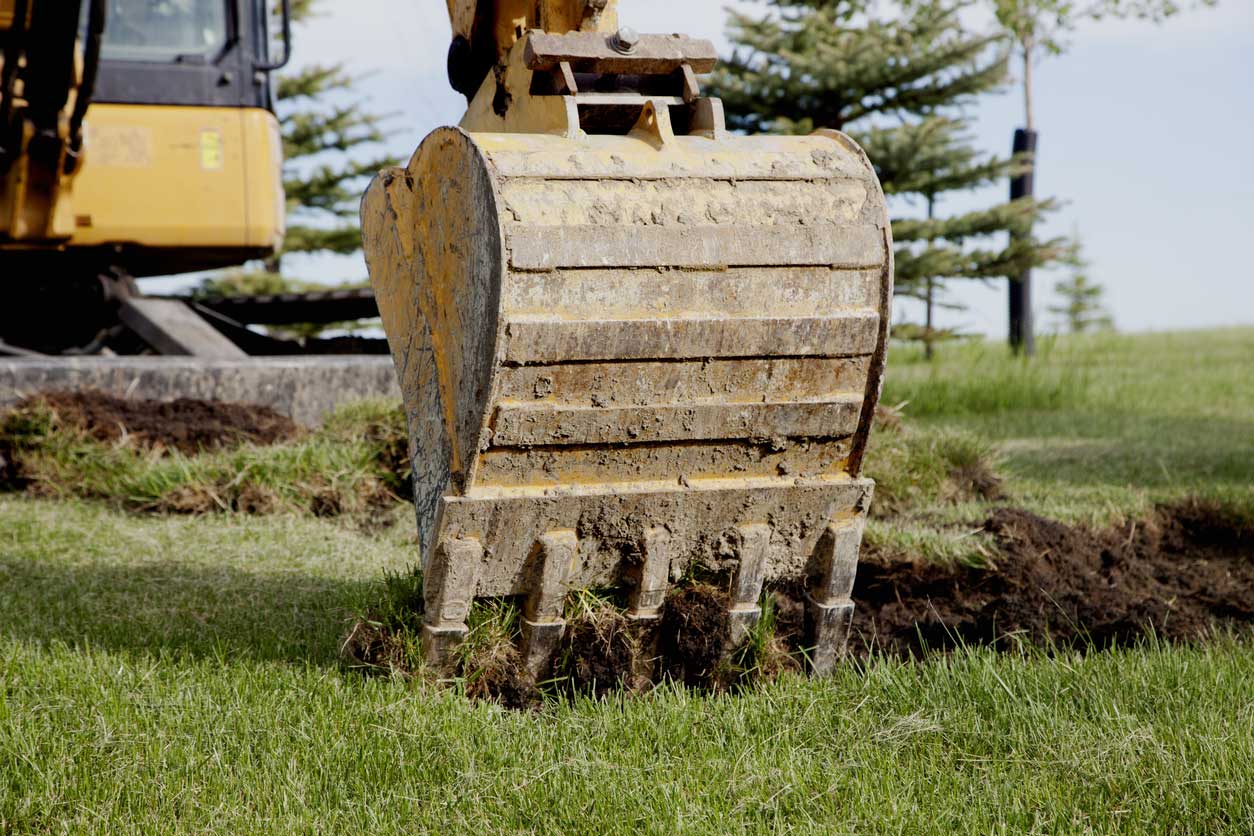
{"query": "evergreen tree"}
{"type": "Point", "coordinates": [1082, 307]}
{"type": "Point", "coordinates": [925, 161]}
{"type": "Point", "coordinates": [327, 133]}
{"type": "Point", "coordinates": [897, 83]}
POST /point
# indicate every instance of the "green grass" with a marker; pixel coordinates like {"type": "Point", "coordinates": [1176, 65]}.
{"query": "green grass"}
{"type": "Point", "coordinates": [1099, 427]}
{"type": "Point", "coordinates": [345, 466]}
{"type": "Point", "coordinates": [182, 673]}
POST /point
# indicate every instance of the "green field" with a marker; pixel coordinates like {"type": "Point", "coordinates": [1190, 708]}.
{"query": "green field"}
{"type": "Point", "coordinates": [180, 673]}
{"type": "Point", "coordinates": [1101, 425]}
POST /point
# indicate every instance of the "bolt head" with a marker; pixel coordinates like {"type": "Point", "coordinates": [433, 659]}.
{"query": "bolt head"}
{"type": "Point", "coordinates": [627, 39]}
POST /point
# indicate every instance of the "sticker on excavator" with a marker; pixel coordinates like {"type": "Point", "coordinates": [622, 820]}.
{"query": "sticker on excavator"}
{"type": "Point", "coordinates": [211, 154]}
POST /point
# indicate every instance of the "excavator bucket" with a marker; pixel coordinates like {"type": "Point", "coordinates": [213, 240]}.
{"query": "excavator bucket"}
{"type": "Point", "coordinates": [632, 346]}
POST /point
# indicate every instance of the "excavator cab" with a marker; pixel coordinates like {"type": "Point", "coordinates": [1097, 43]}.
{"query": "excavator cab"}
{"type": "Point", "coordinates": [137, 138]}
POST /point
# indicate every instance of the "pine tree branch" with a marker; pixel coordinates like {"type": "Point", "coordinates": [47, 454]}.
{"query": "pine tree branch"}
{"type": "Point", "coordinates": [1016, 217]}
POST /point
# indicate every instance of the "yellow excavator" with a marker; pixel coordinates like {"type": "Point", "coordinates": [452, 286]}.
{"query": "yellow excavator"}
{"type": "Point", "coordinates": [634, 348]}
{"type": "Point", "coordinates": [137, 138]}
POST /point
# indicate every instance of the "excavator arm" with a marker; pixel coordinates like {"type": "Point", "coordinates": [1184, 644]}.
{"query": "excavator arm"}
{"type": "Point", "coordinates": [46, 76]}
{"type": "Point", "coordinates": [484, 31]}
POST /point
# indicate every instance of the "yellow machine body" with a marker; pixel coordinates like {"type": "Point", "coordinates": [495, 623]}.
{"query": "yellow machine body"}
{"type": "Point", "coordinates": [178, 188]}
{"type": "Point", "coordinates": [170, 179]}
{"type": "Point", "coordinates": [167, 185]}
{"type": "Point", "coordinates": [632, 346]}
{"type": "Point", "coordinates": [136, 139]}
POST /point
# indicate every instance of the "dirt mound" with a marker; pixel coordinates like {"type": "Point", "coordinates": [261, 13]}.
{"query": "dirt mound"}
{"type": "Point", "coordinates": [185, 424]}
{"type": "Point", "coordinates": [1187, 569]}
{"type": "Point", "coordinates": [1178, 575]}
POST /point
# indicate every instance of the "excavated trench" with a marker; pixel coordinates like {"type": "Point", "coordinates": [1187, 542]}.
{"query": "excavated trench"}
{"type": "Point", "coordinates": [1178, 575]}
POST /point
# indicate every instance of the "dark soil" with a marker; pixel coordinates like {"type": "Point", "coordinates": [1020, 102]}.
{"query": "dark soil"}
{"type": "Point", "coordinates": [10, 467]}
{"type": "Point", "coordinates": [1178, 575]}
{"type": "Point", "coordinates": [187, 425]}
{"type": "Point", "coordinates": [374, 647]}
{"type": "Point", "coordinates": [603, 652]}
{"type": "Point", "coordinates": [394, 461]}
{"type": "Point", "coordinates": [694, 634]}
{"type": "Point", "coordinates": [506, 681]}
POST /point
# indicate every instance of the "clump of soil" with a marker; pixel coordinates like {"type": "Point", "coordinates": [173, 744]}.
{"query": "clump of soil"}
{"type": "Point", "coordinates": [373, 646]}
{"type": "Point", "coordinates": [185, 424]}
{"type": "Point", "coordinates": [694, 634]}
{"type": "Point", "coordinates": [1179, 574]}
{"type": "Point", "coordinates": [602, 651]}
{"type": "Point", "coordinates": [498, 674]}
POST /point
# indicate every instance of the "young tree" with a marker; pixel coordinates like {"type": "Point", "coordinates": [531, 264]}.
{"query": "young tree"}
{"type": "Point", "coordinates": [897, 83]}
{"type": "Point", "coordinates": [1037, 28]}
{"type": "Point", "coordinates": [1082, 307]}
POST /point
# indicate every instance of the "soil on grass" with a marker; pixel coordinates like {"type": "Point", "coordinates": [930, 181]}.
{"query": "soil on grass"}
{"type": "Point", "coordinates": [1178, 575]}
{"type": "Point", "coordinates": [185, 424]}
{"type": "Point", "coordinates": [602, 651]}
{"type": "Point", "coordinates": [694, 634]}
{"type": "Point", "coordinates": [977, 480]}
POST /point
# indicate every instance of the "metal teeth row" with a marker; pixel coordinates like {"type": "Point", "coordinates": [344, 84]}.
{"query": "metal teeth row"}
{"type": "Point", "coordinates": [452, 573]}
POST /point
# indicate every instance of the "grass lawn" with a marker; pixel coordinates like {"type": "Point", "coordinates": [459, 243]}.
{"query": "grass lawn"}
{"type": "Point", "coordinates": [1104, 425]}
{"type": "Point", "coordinates": [162, 673]}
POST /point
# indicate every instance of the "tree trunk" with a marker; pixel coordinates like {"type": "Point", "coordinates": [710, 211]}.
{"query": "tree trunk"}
{"type": "Point", "coordinates": [1022, 338]}
{"type": "Point", "coordinates": [1029, 122]}
{"type": "Point", "coordinates": [929, 296]}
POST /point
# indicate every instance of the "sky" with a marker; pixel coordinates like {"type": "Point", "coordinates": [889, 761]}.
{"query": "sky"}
{"type": "Point", "coordinates": [1146, 136]}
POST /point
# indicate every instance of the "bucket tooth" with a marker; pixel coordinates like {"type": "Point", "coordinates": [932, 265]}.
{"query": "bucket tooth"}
{"type": "Point", "coordinates": [747, 589]}
{"type": "Point", "coordinates": [543, 626]}
{"type": "Point", "coordinates": [653, 576]}
{"type": "Point", "coordinates": [448, 589]}
{"type": "Point", "coordinates": [829, 601]}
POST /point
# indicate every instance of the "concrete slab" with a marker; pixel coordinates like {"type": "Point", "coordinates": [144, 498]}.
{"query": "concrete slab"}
{"type": "Point", "coordinates": [304, 388]}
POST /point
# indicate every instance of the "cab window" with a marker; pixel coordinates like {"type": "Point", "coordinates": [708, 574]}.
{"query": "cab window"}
{"type": "Point", "coordinates": [164, 30]}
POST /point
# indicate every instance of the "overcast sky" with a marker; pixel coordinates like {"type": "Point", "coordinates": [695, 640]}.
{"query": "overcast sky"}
{"type": "Point", "coordinates": [1147, 134]}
